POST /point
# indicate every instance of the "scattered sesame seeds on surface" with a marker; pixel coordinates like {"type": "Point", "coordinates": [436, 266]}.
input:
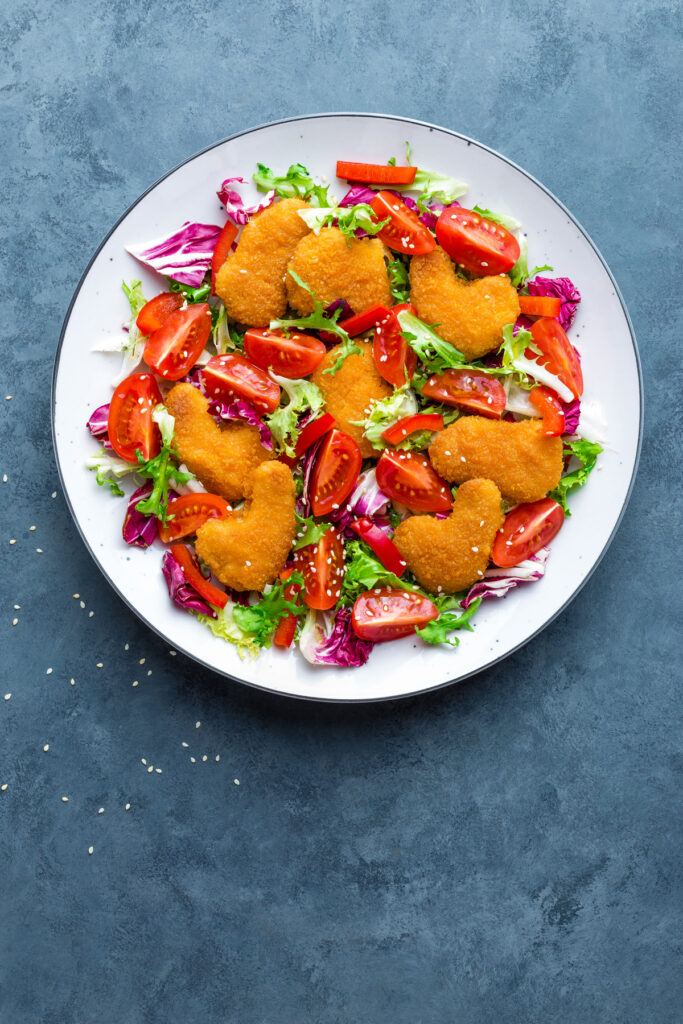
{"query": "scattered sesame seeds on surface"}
{"type": "Point", "coordinates": [13, 541]}
{"type": "Point", "coordinates": [127, 807]}
{"type": "Point", "coordinates": [101, 810]}
{"type": "Point", "coordinates": [143, 760]}
{"type": "Point", "coordinates": [15, 621]}
{"type": "Point", "coordinates": [82, 604]}
{"type": "Point", "coordinates": [151, 768]}
{"type": "Point", "coordinates": [46, 747]}
{"type": "Point", "coordinates": [90, 615]}
{"type": "Point", "coordinates": [236, 781]}
{"type": "Point", "coordinates": [73, 682]}
{"type": "Point", "coordinates": [65, 799]}
{"type": "Point", "coordinates": [7, 696]}
{"type": "Point", "coordinates": [126, 647]}
{"type": "Point", "coordinates": [142, 661]}
{"type": "Point", "coordinates": [90, 849]}
{"type": "Point", "coordinates": [134, 683]}
{"type": "Point", "coordinates": [3, 787]}
{"type": "Point", "coordinates": [184, 744]}
{"type": "Point", "coordinates": [218, 757]}
{"type": "Point", "coordinates": [99, 665]}
{"type": "Point", "coordinates": [53, 495]}
{"type": "Point", "coordinates": [204, 757]}
{"type": "Point", "coordinates": [48, 672]}
{"type": "Point", "coordinates": [193, 760]}
{"type": "Point", "coordinates": [197, 724]}
{"type": "Point", "coordinates": [31, 529]}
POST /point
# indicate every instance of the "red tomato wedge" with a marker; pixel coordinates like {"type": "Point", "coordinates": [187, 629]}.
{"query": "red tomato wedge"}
{"type": "Point", "coordinates": [550, 408]}
{"type": "Point", "coordinates": [394, 358]}
{"type": "Point", "coordinates": [288, 355]}
{"type": "Point", "coordinates": [284, 634]}
{"type": "Point", "coordinates": [526, 530]}
{"type": "Point", "coordinates": [355, 325]}
{"type": "Point", "coordinates": [559, 355]}
{"type": "Point", "coordinates": [385, 549]}
{"type": "Point", "coordinates": [322, 567]}
{"type": "Point", "coordinates": [381, 615]}
{"type": "Point", "coordinates": [476, 392]}
{"type": "Point", "coordinates": [399, 431]}
{"type": "Point", "coordinates": [475, 243]}
{"type": "Point", "coordinates": [540, 305]}
{"type": "Point", "coordinates": [188, 512]}
{"type": "Point", "coordinates": [311, 433]}
{"type": "Point", "coordinates": [410, 478]}
{"type": "Point", "coordinates": [336, 470]}
{"type": "Point", "coordinates": [222, 250]}
{"type": "Point", "coordinates": [194, 577]}
{"type": "Point", "coordinates": [156, 312]}
{"type": "Point", "coordinates": [130, 424]}
{"type": "Point", "coordinates": [405, 232]}
{"type": "Point", "coordinates": [173, 350]}
{"type": "Point", "coordinates": [375, 174]}
{"type": "Point", "coordinates": [233, 376]}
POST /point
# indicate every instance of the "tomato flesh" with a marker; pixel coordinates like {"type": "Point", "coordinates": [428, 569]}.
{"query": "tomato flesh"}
{"type": "Point", "coordinates": [130, 425]}
{"type": "Point", "coordinates": [336, 471]}
{"type": "Point", "coordinates": [550, 408]}
{"type": "Point", "coordinates": [405, 232]}
{"type": "Point", "coordinates": [526, 530]}
{"type": "Point", "coordinates": [559, 355]}
{"type": "Point", "coordinates": [194, 577]}
{"type": "Point", "coordinates": [286, 628]}
{"type": "Point", "coordinates": [232, 376]}
{"type": "Point", "coordinates": [475, 243]}
{"type": "Point", "coordinates": [375, 174]}
{"type": "Point", "coordinates": [175, 347]}
{"type": "Point", "coordinates": [360, 322]}
{"type": "Point", "coordinates": [156, 312]}
{"type": "Point", "coordinates": [476, 392]}
{"type": "Point", "coordinates": [290, 355]}
{"type": "Point", "coordinates": [540, 305]}
{"type": "Point", "coordinates": [385, 549]}
{"type": "Point", "coordinates": [410, 479]}
{"type": "Point", "coordinates": [311, 433]}
{"type": "Point", "coordinates": [222, 250]}
{"type": "Point", "coordinates": [187, 513]}
{"type": "Point", "coordinates": [394, 358]}
{"type": "Point", "coordinates": [400, 430]}
{"type": "Point", "coordinates": [322, 567]}
{"type": "Point", "coordinates": [387, 614]}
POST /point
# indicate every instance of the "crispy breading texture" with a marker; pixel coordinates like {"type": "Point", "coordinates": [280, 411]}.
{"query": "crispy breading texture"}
{"type": "Point", "coordinates": [337, 269]}
{"type": "Point", "coordinates": [248, 549]}
{"type": "Point", "coordinates": [470, 314]}
{"type": "Point", "coordinates": [223, 458]}
{"type": "Point", "coordinates": [251, 281]}
{"type": "Point", "coordinates": [349, 392]}
{"type": "Point", "coordinates": [447, 555]}
{"type": "Point", "coordinates": [522, 463]}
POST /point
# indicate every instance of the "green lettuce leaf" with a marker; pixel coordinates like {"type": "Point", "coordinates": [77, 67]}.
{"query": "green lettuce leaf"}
{"type": "Point", "coordinates": [303, 396]}
{"type": "Point", "coordinates": [348, 219]}
{"type": "Point", "coordinates": [259, 621]}
{"type": "Point", "coordinates": [399, 280]}
{"type": "Point", "coordinates": [511, 223]}
{"type": "Point", "coordinates": [108, 469]}
{"type": "Point", "coordinates": [587, 453]}
{"type": "Point", "coordinates": [436, 354]}
{"type": "Point", "coordinates": [437, 631]}
{"type": "Point", "coordinates": [527, 372]}
{"type": "Point", "coordinates": [225, 627]}
{"type": "Point", "coordinates": [384, 413]}
{"type": "Point", "coordinates": [297, 182]}
{"type": "Point", "coordinates": [308, 531]}
{"type": "Point", "coordinates": [136, 300]}
{"type": "Point", "coordinates": [162, 470]}
{"type": "Point", "coordinates": [363, 572]}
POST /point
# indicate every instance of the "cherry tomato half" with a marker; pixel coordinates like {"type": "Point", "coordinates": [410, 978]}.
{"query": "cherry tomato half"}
{"type": "Point", "coordinates": [322, 567]}
{"type": "Point", "coordinates": [540, 305]}
{"type": "Point", "coordinates": [130, 424]}
{"type": "Point", "coordinates": [390, 614]}
{"type": "Point", "coordinates": [173, 350]}
{"type": "Point", "coordinates": [410, 478]}
{"type": "Point", "coordinates": [559, 355]}
{"type": "Point", "coordinates": [476, 392]}
{"type": "Point", "coordinates": [233, 376]}
{"type": "Point", "coordinates": [222, 250]}
{"type": "Point", "coordinates": [286, 628]}
{"type": "Point", "coordinates": [375, 174]}
{"type": "Point", "coordinates": [360, 322]}
{"type": "Point", "coordinates": [336, 470]}
{"type": "Point", "coordinates": [156, 312]}
{"type": "Point", "coordinates": [189, 511]}
{"type": "Point", "coordinates": [405, 232]}
{"type": "Point", "coordinates": [385, 549]}
{"type": "Point", "coordinates": [475, 243]}
{"type": "Point", "coordinates": [550, 408]}
{"type": "Point", "coordinates": [288, 355]}
{"type": "Point", "coordinates": [526, 530]}
{"type": "Point", "coordinates": [194, 577]}
{"type": "Point", "coordinates": [394, 358]}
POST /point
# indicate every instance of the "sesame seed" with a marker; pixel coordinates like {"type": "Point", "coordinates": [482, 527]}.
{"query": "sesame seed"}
{"type": "Point", "coordinates": [151, 768]}
{"type": "Point", "coordinates": [7, 696]}
{"type": "Point", "coordinates": [90, 615]}
{"type": "Point", "coordinates": [218, 757]}
{"type": "Point", "coordinates": [82, 604]}
{"type": "Point", "coordinates": [126, 647]}
{"type": "Point", "coordinates": [236, 781]}
{"type": "Point", "coordinates": [184, 744]}
{"type": "Point", "coordinates": [101, 810]}
{"type": "Point", "coordinates": [46, 747]}
{"type": "Point", "coordinates": [99, 665]}
{"type": "Point", "coordinates": [76, 595]}
{"type": "Point", "coordinates": [15, 621]}
{"type": "Point", "coordinates": [149, 671]}
{"type": "Point", "coordinates": [204, 757]}
{"type": "Point", "coordinates": [197, 724]}
{"type": "Point", "coordinates": [475, 550]}
{"type": "Point", "coordinates": [31, 529]}
{"type": "Point", "coordinates": [4, 478]}
{"type": "Point", "coordinates": [143, 760]}
{"type": "Point", "coordinates": [142, 661]}
{"type": "Point", "coordinates": [158, 771]}
{"type": "Point", "coordinates": [134, 683]}
{"type": "Point", "coordinates": [463, 459]}
{"type": "Point", "coordinates": [13, 541]}
{"type": "Point", "coordinates": [3, 787]}
{"type": "Point", "coordinates": [53, 495]}
{"type": "Point", "coordinates": [247, 563]}
{"type": "Point", "coordinates": [39, 551]}
{"type": "Point", "coordinates": [481, 523]}
{"type": "Point", "coordinates": [479, 572]}
{"type": "Point", "coordinates": [193, 760]}
{"type": "Point", "coordinates": [127, 807]}
{"type": "Point", "coordinates": [48, 672]}
{"type": "Point", "coordinates": [8, 398]}
{"type": "Point", "coordinates": [173, 653]}
{"type": "Point", "coordinates": [90, 849]}
{"type": "Point", "coordinates": [73, 682]}
{"type": "Point", "coordinates": [65, 799]}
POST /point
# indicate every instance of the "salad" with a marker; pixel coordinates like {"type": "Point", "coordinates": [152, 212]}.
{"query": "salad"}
{"type": "Point", "coordinates": [345, 421]}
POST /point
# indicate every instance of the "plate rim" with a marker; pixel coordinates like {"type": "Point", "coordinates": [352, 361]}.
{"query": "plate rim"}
{"type": "Point", "coordinates": [386, 117]}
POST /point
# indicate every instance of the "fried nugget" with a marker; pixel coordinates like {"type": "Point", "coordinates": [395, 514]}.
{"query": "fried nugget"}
{"type": "Point", "coordinates": [470, 314]}
{"type": "Point", "coordinates": [522, 463]}
{"type": "Point", "coordinates": [223, 458]}
{"type": "Point", "coordinates": [447, 555]}
{"type": "Point", "coordinates": [335, 268]}
{"type": "Point", "coordinates": [251, 281]}
{"type": "Point", "coordinates": [351, 390]}
{"type": "Point", "coordinates": [248, 549]}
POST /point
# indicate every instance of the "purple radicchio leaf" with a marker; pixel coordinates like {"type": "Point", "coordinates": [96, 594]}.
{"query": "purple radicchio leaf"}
{"type": "Point", "coordinates": [185, 255]}
{"type": "Point", "coordinates": [238, 409]}
{"type": "Point", "coordinates": [366, 499]}
{"type": "Point", "coordinates": [430, 216]}
{"type": "Point", "coordinates": [195, 378]}
{"type": "Point", "coordinates": [572, 415]}
{"type": "Point", "coordinates": [342, 304]}
{"type": "Point", "coordinates": [564, 289]}
{"type": "Point", "coordinates": [139, 529]}
{"type": "Point", "coordinates": [499, 582]}
{"type": "Point", "coordinates": [234, 204]}
{"type": "Point", "coordinates": [337, 645]}
{"type": "Point", "coordinates": [97, 425]}
{"type": "Point", "coordinates": [180, 591]}
{"type": "Point", "coordinates": [307, 464]}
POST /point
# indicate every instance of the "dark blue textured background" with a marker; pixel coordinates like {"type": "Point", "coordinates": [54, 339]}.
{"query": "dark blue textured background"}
{"type": "Point", "coordinates": [504, 851]}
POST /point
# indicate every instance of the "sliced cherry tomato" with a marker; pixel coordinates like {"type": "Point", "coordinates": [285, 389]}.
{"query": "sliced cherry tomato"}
{"type": "Point", "coordinates": [476, 392]}
{"type": "Point", "coordinates": [284, 634]}
{"type": "Point", "coordinates": [289, 355]}
{"type": "Point", "coordinates": [405, 232]}
{"type": "Point", "coordinates": [130, 425]}
{"type": "Point", "coordinates": [550, 408]}
{"type": "Point", "coordinates": [400, 430]}
{"type": "Point", "coordinates": [233, 376]}
{"type": "Point", "coordinates": [360, 322]}
{"type": "Point", "coordinates": [394, 358]}
{"type": "Point", "coordinates": [194, 577]}
{"type": "Point", "coordinates": [381, 615]}
{"type": "Point", "coordinates": [410, 478]}
{"type": "Point", "coordinates": [385, 549]}
{"type": "Point", "coordinates": [375, 174]}
{"type": "Point", "coordinates": [222, 250]}
{"type": "Point", "coordinates": [311, 433]}
{"type": "Point", "coordinates": [526, 530]}
{"type": "Point", "coordinates": [156, 312]}
{"type": "Point", "coordinates": [173, 350]}
{"type": "Point", "coordinates": [322, 567]}
{"type": "Point", "coordinates": [540, 305]}
{"type": "Point", "coordinates": [189, 511]}
{"type": "Point", "coordinates": [475, 243]}
{"type": "Point", "coordinates": [559, 354]}
{"type": "Point", "coordinates": [335, 473]}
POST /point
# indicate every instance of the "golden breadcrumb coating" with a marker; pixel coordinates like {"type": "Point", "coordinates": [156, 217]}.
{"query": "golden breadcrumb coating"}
{"type": "Point", "coordinates": [223, 458]}
{"type": "Point", "coordinates": [251, 282]}
{"type": "Point", "coordinates": [337, 269]}
{"type": "Point", "coordinates": [470, 314]}
{"type": "Point", "coordinates": [522, 463]}
{"type": "Point", "coordinates": [249, 548]}
{"type": "Point", "coordinates": [349, 392]}
{"type": "Point", "coordinates": [447, 555]}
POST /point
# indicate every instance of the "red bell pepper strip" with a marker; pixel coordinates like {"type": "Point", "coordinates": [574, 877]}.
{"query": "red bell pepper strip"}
{"type": "Point", "coordinates": [375, 174]}
{"type": "Point", "coordinates": [284, 634]}
{"type": "Point", "coordinates": [193, 576]}
{"type": "Point", "coordinates": [384, 548]}
{"type": "Point", "coordinates": [548, 404]}
{"type": "Point", "coordinates": [540, 305]}
{"type": "Point", "coordinates": [311, 433]}
{"type": "Point", "coordinates": [398, 431]}
{"type": "Point", "coordinates": [222, 250]}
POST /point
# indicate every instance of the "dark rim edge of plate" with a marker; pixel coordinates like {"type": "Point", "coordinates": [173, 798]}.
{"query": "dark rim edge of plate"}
{"type": "Point", "coordinates": [463, 138]}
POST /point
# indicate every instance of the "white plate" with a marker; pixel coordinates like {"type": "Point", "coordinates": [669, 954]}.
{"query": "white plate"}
{"type": "Point", "coordinates": [602, 332]}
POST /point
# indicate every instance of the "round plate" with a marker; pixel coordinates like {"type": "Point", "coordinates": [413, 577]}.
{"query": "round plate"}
{"type": "Point", "coordinates": [602, 332]}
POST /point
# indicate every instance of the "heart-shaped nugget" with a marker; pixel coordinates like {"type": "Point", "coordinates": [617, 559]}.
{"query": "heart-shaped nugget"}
{"type": "Point", "coordinates": [335, 267]}
{"type": "Point", "coordinates": [470, 314]}
{"type": "Point", "coordinates": [447, 555]}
